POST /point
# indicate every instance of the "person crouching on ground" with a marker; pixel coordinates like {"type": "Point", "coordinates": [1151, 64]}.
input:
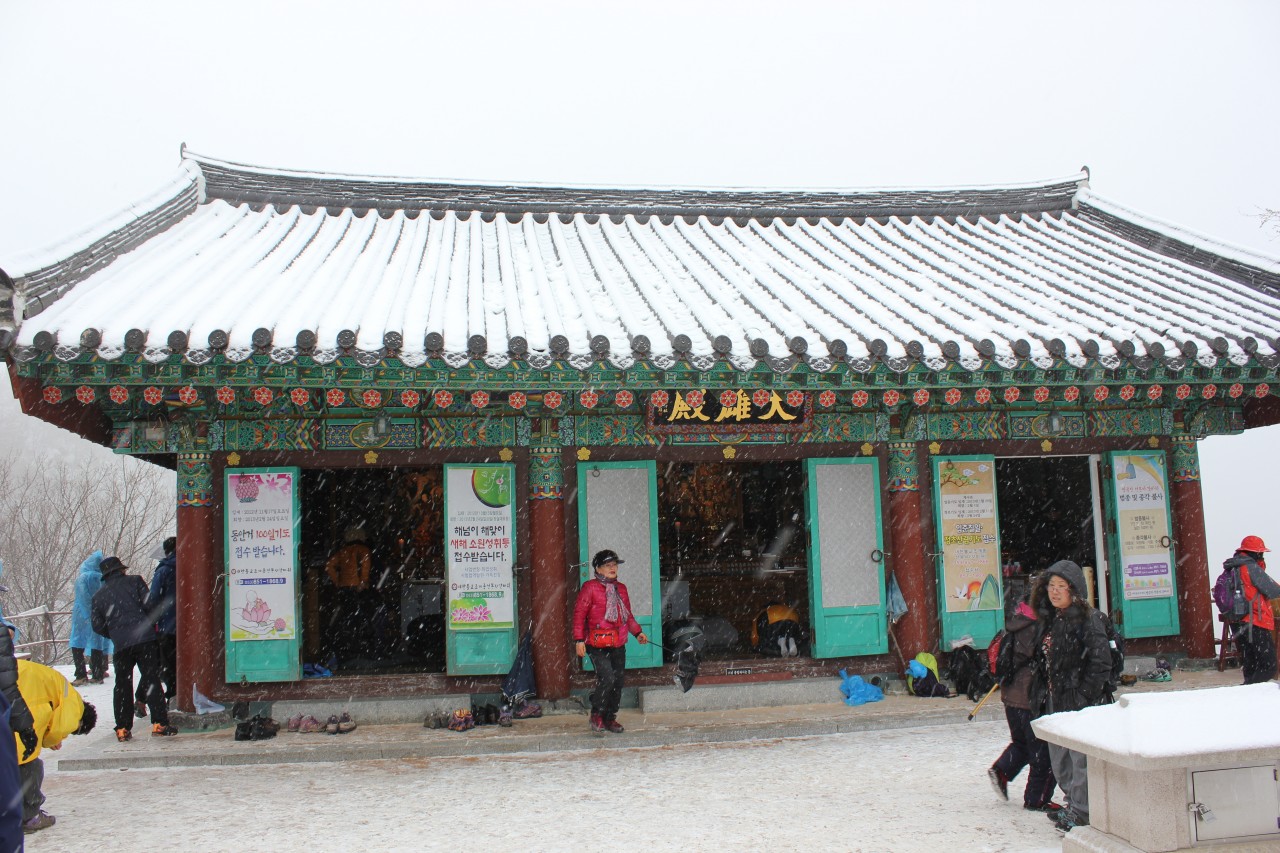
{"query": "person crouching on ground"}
{"type": "Point", "coordinates": [58, 711]}
{"type": "Point", "coordinates": [1024, 749]}
{"type": "Point", "coordinates": [602, 621]}
{"type": "Point", "coordinates": [1072, 664]}
{"type": "Point", "coordinates": [120, 614]}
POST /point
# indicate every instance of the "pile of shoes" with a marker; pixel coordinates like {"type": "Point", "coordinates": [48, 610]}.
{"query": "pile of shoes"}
{"type": "Point", "coordinates": [307, 724]}
{"type": "Point", "coordinates": [1157, 674]}
{"type": "Point", "coordinates": [486, 715]}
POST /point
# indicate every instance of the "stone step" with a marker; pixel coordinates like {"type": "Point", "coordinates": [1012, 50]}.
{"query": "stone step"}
{"type": "Point", "coordinates": [725, 697]}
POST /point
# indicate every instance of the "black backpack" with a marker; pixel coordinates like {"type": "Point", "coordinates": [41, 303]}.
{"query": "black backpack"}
{"type": "Point", "coordinates": [969, 672]}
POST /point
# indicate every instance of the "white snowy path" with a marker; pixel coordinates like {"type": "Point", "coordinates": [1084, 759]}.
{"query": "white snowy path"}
{"type": "Point", "coordinates": [899, 790]}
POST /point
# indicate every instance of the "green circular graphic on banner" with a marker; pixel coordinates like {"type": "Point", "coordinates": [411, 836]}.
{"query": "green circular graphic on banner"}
{"type": "Point", "coordinates": [491, 486]}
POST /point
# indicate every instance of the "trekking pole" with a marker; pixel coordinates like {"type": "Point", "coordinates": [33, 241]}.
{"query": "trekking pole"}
{"type": "Point", "coordinates": [978, 707]}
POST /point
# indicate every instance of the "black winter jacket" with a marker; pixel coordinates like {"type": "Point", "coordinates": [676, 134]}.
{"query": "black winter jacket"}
{"type": "Point", "coordinates": [1073, 662]}
{"type": "Point", "coordinates": [19, 714]}
{"type": "Point", "coordinates": [119, 610]}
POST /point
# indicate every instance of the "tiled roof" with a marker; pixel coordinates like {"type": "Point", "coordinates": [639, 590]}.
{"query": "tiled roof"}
{"type": "Point", "coordinates": [238, 259]}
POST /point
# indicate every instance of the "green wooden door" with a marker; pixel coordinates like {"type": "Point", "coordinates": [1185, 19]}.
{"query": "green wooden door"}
{"type": "Point", "coordinates": [480, 549]}
{"type": "Point", "coordinates": [967, 522]}
{"type": "Point", "coordinates": [846, 557]}
{"type": "Point", "coordinates": [618, 509]}
{"type": "Point", "coordinates": [1143, 585]}
{"type": "Point", "coordinates": [262, 519]}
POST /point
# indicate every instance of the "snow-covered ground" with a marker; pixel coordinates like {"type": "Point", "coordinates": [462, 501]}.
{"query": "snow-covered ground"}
{"type": "Point", "coordinates": [899, 790]}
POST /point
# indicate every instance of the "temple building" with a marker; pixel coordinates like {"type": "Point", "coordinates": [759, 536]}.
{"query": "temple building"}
{"type": "Point", "coordinates": [404, 414]}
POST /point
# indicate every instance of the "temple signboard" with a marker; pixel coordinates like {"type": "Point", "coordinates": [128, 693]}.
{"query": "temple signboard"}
{"type": "Point", "coordinates": [732, 410]}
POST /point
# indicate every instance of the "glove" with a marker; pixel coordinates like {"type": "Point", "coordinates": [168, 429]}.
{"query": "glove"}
{"type": "Point", "coordinates": [29, 742]}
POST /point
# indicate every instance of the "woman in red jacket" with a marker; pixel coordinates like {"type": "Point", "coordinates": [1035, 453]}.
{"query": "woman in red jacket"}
{"type": "Point", "coordinates": [601, 622]}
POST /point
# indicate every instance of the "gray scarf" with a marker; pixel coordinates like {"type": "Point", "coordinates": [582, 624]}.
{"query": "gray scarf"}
{"type": "Point", "coordinates": [614, 610]}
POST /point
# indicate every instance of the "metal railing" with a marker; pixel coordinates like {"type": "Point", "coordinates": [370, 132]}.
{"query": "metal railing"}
{"type": "Point", "coordinates": [44, 619]}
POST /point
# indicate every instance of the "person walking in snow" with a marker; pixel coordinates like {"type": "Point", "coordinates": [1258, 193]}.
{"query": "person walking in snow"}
{"type": "Point", "coordinates": [83, 637]}
{"type": "Point", "coordinates": [58, 711]}
{"type": "Point", "coordinates": [602, 621]}
{"type": "Point", "coordinates": [120, 614]}
{"type": "Point", "coordinates": [1253, 634]}
{"type": "Point", "coordinates": [1024, 749]}
{"type": "Point", "coordinates": [1072, 664]}
{"type": "Point", "coordinates": [161, 602]}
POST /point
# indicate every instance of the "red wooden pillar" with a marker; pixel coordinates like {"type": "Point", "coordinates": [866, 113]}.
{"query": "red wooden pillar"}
{"type": "Point", "coordinates": [548, 573]}
{"type": "Point", "coordinates": [1194, 611]}
{"type": "Point", "coordinates": [199, 568]}
{"type": "Point", "coordinates": [916, 631]}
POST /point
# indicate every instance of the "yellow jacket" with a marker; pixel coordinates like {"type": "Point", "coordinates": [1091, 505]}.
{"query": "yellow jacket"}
{"type": "Point", "coordinates": [55, 705]}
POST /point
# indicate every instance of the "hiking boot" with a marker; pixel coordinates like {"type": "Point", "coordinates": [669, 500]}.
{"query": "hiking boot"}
{"type": "Point", "coordinates": [528, 711]}
{"type": "Point", "coordinates": [597, 724]}
{"type": "Point", "coordinates": [80, 682]}
{"type": "Point", "coordinates": [293, 723]}
{"type": "Point", "coordinates": [345, 723]}
{"type": "Point", "coordinates": [999, 782]}
{"type": "Point", "coordinates": [504, 717]}
{"type": "Point", "coordinates": [139, 708]}
{"type": "Point", "coordinates": [332, 726]}
{"type": "Point", "coordinates": [1067, 820]}
{"type": "Point", "coordinates": [163, 730]}
{"type": "Point", "coordinates": [123, 735]}
{"type": "Point", "coordinates": [613, 727]}
{"type": "Point", "coordinates": [309, 725]}
{"type": "Point", "coordinates": [1050, 808]}
{"type": "Point", "coordinates": [39, 822]}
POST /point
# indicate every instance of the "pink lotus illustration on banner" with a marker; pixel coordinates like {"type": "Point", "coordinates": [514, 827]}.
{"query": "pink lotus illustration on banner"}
{"type": "Point", "coordinates": [256, 611]}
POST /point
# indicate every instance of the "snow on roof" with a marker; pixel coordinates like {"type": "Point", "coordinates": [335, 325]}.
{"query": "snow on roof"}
{"type": "Point", "coordinates": [1174, 729]}
{"type": "Point", "coordinates": [321, 263]}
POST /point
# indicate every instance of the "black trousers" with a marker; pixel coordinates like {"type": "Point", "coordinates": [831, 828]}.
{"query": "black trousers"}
{"type": "Point", "coordinates": [1257, 653]}
{"type": "Point", "coordinates": [611, 669]}
{"type": "Point", "coordinates": [168, 648]}
{"type": "Point", "coordinates": [146, 656]}
{"type": "Point", "coordinates": [97, 664]}
{"type": "Point", "coordinates": [32, 774]}
{"type": "Point", "coordinates": [1025, 749]}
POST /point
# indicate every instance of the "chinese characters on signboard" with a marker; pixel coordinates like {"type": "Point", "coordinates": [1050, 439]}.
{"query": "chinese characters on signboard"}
{"type": "Point", "coordinates": [970, 535]}
{"type": "Point", "coordinates": [480, 546]}
{"type": "Point", "coordinates": [731, 410]}
{"type": "Point", "coordinates": [262, 551]}
{"type": "Point", "coordinates": [1142, 525]}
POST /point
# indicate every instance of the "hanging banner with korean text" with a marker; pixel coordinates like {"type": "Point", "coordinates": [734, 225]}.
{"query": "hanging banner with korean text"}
{"type": "Point", "coordinates": [965, 488]}
{"type": "Point", "coordinates": [262, 522]}
{"type": "Point", "coordinates": [1142, 524]}
{"type": "Point", "coordinates": [480, 541]}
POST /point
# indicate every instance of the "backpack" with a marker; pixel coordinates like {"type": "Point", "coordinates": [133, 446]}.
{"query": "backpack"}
{"type": "Point", "coordinates": [1115, 640]}
{"type": "Point", "coordinates": [1001, 657]}
{"type": "Point", "coordinates": [968, 672]}
{"type": "Point", "coordinates": [1228, 595]}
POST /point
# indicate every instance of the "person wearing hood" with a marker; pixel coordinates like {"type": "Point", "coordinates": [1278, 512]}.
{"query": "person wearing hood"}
{"type": "Point", "coordinates": [1072, 665]}
{"type": "Point", "coordinates": [1253, 635]}
{"type": "Point", "coordinates": [120, 614]}
{"type": "Point", "coordinates": [83, 638]}
{"type": "Point", "coordinates": [602, 621]}
{"type": "Point", "coordinates": [58, 711]}
{"type": "Point", "coordinates": [1024, 749]}
{"type": "Point", "coordinates": [162, 602]}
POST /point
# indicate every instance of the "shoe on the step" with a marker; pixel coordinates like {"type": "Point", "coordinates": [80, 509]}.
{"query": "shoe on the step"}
{"type": "Point", "coordinates": [613, 727]}
{"type": "Point", "coordinates": [332, 725]}
{"type": "Point", "coordinates": [139, 708]}
{"type": "Point", "coordinates": [163, 730]}
{"type": "Point", "coordinates": [527, 711]}
{"type": "Point", "coordinates": [1050, 808]}
{"type": "Point", "coordinates": [123, 735]}
{"type": "Point", "coordinates": [597, 724]}
{"type": "Point", "coordinates": [43, 820]}
{"type": "Point", "coordinates": [1067, 820]}
{"type": "Point", "coordinates": [504, 716]}
{"type": "Point", "coordinates": [293, 723]}
{"type": "Point", "coordinates": [998, 782]}
{"type": "Point", "coordinates": [345, 723]}
{"type": "Point", "coordinates": [309, 725]}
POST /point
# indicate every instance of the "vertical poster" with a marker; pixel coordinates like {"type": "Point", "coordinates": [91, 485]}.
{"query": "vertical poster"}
{"type": "Point", "coordinates": [262, 520]}
{"type": "Point", "coordinates": [970, 536]}
{"type": "Point", "coordinates": [1142, 525]}
{"type": "Point", "coordinates": [480, 524]}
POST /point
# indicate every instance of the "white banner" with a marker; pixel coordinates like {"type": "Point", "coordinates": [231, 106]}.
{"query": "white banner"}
{"type": "Point", "coordinates": [262, 553]}
{"type": "Point", "coordinates": [480, 542]}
